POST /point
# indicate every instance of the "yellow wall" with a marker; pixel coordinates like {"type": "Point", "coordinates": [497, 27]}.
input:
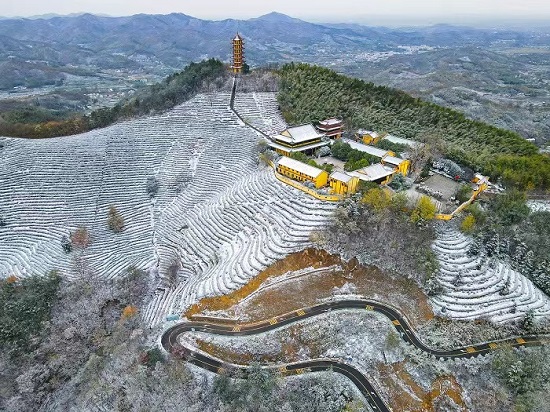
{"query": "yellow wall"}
{"type": "Point", "coordinates": [368, 139]}
{"type": "Point", "coordinates": [342, 188]}
{"type": "Point", "coordinates": [282, 152]}
{"type": "Point", "coordinates": [299, 186]}
{"type": "Point", "coordinates": [404, 167]}
{"type": "Point", "coordinates": [338, 187]}
{"type": "Point", "coordinates": [319, 181]}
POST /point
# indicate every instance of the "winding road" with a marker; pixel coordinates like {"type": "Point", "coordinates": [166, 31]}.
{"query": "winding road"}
{"type": "Point", "coordinates": [170, 343]}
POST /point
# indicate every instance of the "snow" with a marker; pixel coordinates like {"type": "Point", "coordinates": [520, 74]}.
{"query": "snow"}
{"type": "Point", "coordinates": [217, 216]}
{"type": "Point", "coordinates": [261, 111]}
{"type": "Point", "coordinates": [356, 337]}
{"type": "Point", "coordinates": [539, 205]}
{"type": "Point", "coordinates": [476, 287]}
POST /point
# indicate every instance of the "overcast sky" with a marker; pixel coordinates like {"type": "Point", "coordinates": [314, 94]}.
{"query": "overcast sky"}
{"type": "Point", "coordinates": [367, 11]}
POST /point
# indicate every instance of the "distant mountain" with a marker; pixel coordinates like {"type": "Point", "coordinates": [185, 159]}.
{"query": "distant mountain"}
{"type": "Point", "coordinates": [161, 44]}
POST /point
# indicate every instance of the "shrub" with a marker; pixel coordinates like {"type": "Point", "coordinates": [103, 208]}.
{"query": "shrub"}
{"type": "Point", "coordinates": [400, 182]}
{"type": "Point", "coordinates": [468, 224]}
{"type": "Point", "coordinates": [324, 151]}
{"type": "Point", "coordinates": [463, 193]}
{"type": "Point", "coordinates": [115, 221]}
{"type": "Point", "coordinates": [151, 357]}
{"type": "Point", "coordinates": [80, 238]}
{"type": "Point", "coordinates": [424, 210]}
{"type": "Point", "coordinates": [153, 186]}
{"type": "Point", "coordinates": [129, 312]}
{"type": "Point", "coordinates": [66, 244]}
{"type": "Point", "coordinates": [378, 199]}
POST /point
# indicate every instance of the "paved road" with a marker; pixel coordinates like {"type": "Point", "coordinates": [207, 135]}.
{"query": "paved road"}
{"type": "Point", "coordinates": [171, 345]}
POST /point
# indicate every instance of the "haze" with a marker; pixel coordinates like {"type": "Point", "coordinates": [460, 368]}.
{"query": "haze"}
{"type": "Point", "coordinates": [366, 11]}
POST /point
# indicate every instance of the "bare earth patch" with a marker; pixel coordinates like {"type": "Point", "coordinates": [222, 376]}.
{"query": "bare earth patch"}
{"type": "Point", "coordinates": [406, 395]}
{"type": "Point", "coordinates": [303, 279]}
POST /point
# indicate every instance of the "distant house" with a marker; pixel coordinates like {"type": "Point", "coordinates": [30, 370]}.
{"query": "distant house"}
{"type": "Point", "coordinates": [301, 172]}
{"type": "Point", "coordinates": [332, 128]}
{"type": "Point", "coordinates": [367, 136]}
{"type": "Point", "coordinates": [376, 173]}
{"type": "Point", "coordinates": [303, 138]}
{"type": "Point", "coordinates": [343, 183]}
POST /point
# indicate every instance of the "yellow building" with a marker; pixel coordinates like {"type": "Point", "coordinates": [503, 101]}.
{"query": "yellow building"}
{"type": "Point", "coordinates": [305, 139]}
{"type": "Point", "coordinates": [343, 184]}
{"type": "Point", "coordinates": [402, 165]}
{"type": "Point", "coordinates": [376, 173]}
{"type": "Point", "coordinates": [367, 136]}
{"type": "Point", "coordinates": [332, 128]}
{"type": "Point", "coordinates": [302, 172]}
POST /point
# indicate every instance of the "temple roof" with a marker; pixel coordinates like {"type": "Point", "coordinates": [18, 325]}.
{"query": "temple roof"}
{"type": "Point", "coordinates": [342, 177]}
{"type": "Point", "coordinates": [371, 150]}
{"type": "Point", "coordinates": [373, 172]}
{"type": "Point", "coordinates": [298, 134]}
{"type": "Point", "coordinates": [300, 167]}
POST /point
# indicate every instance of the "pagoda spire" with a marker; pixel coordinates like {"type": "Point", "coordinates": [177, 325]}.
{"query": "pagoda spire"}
{"type": "Point", "coordinates": [238, 54]}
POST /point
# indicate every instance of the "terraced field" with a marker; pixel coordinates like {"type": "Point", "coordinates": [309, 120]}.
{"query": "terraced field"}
{"type": "Point", "coordinates": [261, 111]}
{"type": "Point", "coordinates": [216, 221]}
{"type": "Point", "coordinates": [477, 287]}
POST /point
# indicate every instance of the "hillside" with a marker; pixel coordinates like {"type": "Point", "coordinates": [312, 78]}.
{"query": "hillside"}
{"type": "Point", "coordinates": [310, 93]}
{"type": "Point", "coordinates": [37, 122]}
{"type": "Point", "coordinates": [47, 50]}
{"type": "Point", "coordinates": [198, 213]}
{"type": "Point", "coordinates": [503, 86]}
{"type": "Point", "coordinates": [77, 64]}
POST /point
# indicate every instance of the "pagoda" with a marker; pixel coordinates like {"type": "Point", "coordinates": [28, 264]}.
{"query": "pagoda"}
{"type": "Point", "coordinates": [238, 54]}
{"type": "Point", "coordinates": [332, 128]}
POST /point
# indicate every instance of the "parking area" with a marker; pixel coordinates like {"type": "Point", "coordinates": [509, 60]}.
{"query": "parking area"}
{"type": "Point", "coordinates": [441, 184]}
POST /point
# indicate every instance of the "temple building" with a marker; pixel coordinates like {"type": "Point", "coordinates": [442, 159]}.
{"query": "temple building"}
{"type": "Point", "coordinates": [402, 165]}
{"type": "Point", "coordinates": [332, 128]}
{"type": "Point", "coordinates": [238, 54]}
{"type": "Point", "coordinates": [367, 136]}
{"type": "Point", "coordinates": [376, 173]}
{"type": "Point", "coordinates": [343, 183]}
{"type": "Point", "coordinates": [303, 138]}
{"type": "Point", "coordinates": [301, 172]}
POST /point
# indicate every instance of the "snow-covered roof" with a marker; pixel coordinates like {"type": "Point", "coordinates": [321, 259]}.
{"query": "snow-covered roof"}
{"type": "Point", "coordinates": [374, 151]}
{"type": "Point", "coordinates": [298, 134]}
{"type": "Point", "coordinates": [393, 160]}
{"type": "Point", "coordinates": [342, 177]}
{"type": "Point", "coordinates": [276, 145]}
{"type": "Point", "coordinates": [300, 167]}
{"type": "Point", "coordinates": [331, 122]}
{"type": "Point", "coordinates": [480, 179]}
{"type": "Point", "coordinates": [373, 172]}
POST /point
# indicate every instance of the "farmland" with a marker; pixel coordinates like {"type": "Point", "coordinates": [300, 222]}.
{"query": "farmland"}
{"type": "Point", "coordinates": [216, 219]}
